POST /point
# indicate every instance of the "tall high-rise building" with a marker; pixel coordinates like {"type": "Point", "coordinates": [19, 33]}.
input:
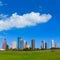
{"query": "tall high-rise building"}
{"type": "Point", "coordinates": [56, 45]}
{"type": "Point", "coordinates": [14, 45]}
{"type": "Point", "coordinates": [52, 44]}
{"type": "Point", "coordinates": [25, 43]}
{"type": "Point", "coordinates": [42, 45]}
{"type": "Point", "coordinates": [18, 43]}
{"type": "Point", "coordinates": [45, 45]}
{"type": "Point", "coordinates": [33, 44]}
{"type": "Point", "coordinates": [21, 44]}
{"type": "Point", "coordinates": [4, 45]}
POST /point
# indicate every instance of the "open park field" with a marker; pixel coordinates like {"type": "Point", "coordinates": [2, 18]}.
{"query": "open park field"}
{"type": "Point", "coordinates": [29, 55]}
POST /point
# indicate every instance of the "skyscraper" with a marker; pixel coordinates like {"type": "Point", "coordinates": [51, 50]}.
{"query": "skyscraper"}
{"type": "Point", "coordinates": [52, 44]}
{"type": "Point", "coordinates": [21, 44]}
{"type": "Point", "coordinates": [45, 45]}
{"type": "Point", "coordinates": [14, 45]}
{"type": "Point", "coordinates": [42, 45]}
{"type": "Point", "coordinates": [56, 45]}
{"type": "Point", "coordinates": [4, 45]}
{"type": "Point", "coordinates": [33, 44]}
{"type": "Point", "coordinates": [25, 43]}
{"type": "Point", "coordinates": [18, 43]}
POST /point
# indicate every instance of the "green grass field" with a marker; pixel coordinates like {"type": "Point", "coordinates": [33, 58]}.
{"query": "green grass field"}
{"type": "Point", "coordinates": [41, 55]}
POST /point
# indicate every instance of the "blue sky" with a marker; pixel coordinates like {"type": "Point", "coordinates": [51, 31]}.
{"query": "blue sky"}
{"type": "Point", "coordinates": [42, 29]}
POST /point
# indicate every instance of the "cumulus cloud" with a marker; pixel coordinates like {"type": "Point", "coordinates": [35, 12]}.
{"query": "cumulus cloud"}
{"type": "Point", "coordinates": [2, 16]}
{"type": "Point", "coordinates": [25, 20]}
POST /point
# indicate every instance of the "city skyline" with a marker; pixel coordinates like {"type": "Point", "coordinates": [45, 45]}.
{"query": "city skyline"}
{"type": "Point", "coordinates": [30, 19]}
{"type": "Point", "coordinates": [22, 44]}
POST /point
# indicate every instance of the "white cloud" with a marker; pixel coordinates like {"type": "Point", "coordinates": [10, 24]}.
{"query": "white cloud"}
{"type": "Point", "coordinates": [2, 16]}
{"type": "Point", "coordinates": [21, 21]}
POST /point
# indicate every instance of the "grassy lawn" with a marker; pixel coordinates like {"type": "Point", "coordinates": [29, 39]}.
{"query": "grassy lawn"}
{"type": "Point", "coordinates": [41, 55]}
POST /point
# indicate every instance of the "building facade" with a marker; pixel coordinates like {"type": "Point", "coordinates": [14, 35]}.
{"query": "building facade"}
{"type": "Point", "coordinates": [4, 44]}
{"type": "Point", "coordinates": [14, 45]}
{"type": "Point", "coordinates": [42, 45]}
{"type": "Point", "coordinates": [46, 46]}
{"type": "Point", "coordinates": [52, 44]}
{"type": "Point", "coordinates": [33, 44]}
{"type": "Point", "coordinates": [25, 43]}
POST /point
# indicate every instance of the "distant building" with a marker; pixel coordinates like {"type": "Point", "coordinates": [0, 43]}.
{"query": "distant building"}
{"type": "Point", "coordinates": [42, 45]}
{"type": "Point", "coordinates": [25, 43]}
{"type": "Point", "coordinates": [21, 44]}
{"type": "Point", "coordinates": [7, 46]}
{"type": "Point", "coordinates": [33, 44]}
{"type": "Point", "coordinates": [28, 46]}
{"type": "Point", "coordinates": [10, 47]}
{"type": "Point", "coordinates": [18, 42]}
{"type": "Point", "coordinates": [4, 44]}
{"type": "Point", "coordinates": [46, 45]}
{"type": "Point", "coordinates": [56, 45]}
{"type": "Point", "coordinates": [52, 44]}
{"type": "Point", "coordinates": [14, 45]}
{"type": "Point", "coordinates": [2, 49]}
